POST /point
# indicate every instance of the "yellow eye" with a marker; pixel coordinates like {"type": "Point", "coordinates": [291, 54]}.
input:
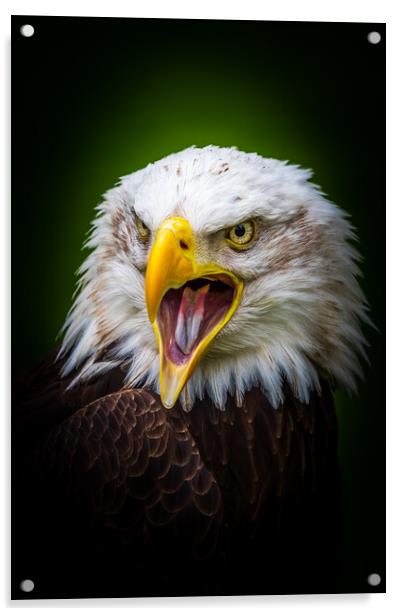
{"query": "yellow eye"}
{"type": "Point", "coordinates": [242, 235]}
{"type": "Point", "coordinates": [142, 229]}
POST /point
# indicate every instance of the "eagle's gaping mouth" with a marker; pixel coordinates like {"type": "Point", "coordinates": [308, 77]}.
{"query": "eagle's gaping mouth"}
{"type": "Point", "coordinates": [187, 315]}
{"type": "Point", "coordinates": [188, 304]}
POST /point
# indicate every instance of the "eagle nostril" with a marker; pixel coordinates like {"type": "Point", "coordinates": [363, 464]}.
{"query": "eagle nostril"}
{"type": "Point", "coordinates": [183, 245]}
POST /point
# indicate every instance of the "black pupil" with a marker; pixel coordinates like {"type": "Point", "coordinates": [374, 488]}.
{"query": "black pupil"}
{"type": "Point", "coordinates": [240, 230]}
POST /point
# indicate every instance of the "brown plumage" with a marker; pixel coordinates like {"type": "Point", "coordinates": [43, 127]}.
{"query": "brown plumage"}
{"type": "Point", "coordinates": [114, 495]}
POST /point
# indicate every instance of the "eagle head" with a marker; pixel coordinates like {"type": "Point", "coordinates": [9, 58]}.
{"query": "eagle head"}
{"type": "Point", "coordinates": [213, 271]}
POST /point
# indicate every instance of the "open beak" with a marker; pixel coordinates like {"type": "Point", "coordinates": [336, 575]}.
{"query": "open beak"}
{"type": "Point", "coordinates": [188, 304]}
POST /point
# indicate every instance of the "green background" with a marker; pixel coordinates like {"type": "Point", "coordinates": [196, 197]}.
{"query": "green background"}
{"type": "Point", "coordinates": [94, 99]}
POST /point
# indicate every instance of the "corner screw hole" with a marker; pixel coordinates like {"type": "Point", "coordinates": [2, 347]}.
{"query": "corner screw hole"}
{"type": "Point", "coordinates": [27, 585]}
{"type": "Point", "coordinates": [27, 30]}
{"type": "Point", "coordinates": [374, 37]}
{"type": "Point", "coordinates": [374, 579]}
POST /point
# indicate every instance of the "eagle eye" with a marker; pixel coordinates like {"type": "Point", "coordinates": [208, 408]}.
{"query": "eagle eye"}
{"type": "Point", "coordinates": [142, 229]}
{"type": "Point", "coordinates": [241, 236]}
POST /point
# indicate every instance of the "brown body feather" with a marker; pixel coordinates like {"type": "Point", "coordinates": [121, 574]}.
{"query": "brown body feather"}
{"type": "Point", "coordinates": [116, 496]}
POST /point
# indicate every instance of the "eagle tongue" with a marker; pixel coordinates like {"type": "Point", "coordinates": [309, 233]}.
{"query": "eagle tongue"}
{"type": "Point", "coordinates": [189, 318]}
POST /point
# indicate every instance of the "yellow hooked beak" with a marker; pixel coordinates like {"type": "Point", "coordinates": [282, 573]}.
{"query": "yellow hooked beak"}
{"type": "Point", "coordinates": [172, 263]}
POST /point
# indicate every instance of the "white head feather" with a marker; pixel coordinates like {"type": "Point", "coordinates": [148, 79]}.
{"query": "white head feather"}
{"type": "Point", "coordinates": [301, 307]}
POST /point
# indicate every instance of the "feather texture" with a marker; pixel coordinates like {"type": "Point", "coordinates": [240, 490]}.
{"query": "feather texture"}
{"type": "Point", "coordinates": [299, 317]}
{"type": "Point", "coordinates": [116, 495]}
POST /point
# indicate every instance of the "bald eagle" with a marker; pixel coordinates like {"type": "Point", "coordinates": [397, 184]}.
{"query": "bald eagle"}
{"type": "Point", "coordinates": [182, 439]}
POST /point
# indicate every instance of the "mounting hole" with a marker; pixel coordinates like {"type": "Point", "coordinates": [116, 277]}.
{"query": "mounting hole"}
{"type": "Point", "coordinates": [27, 585]}
{"type": "Point", "coordinates": [374, 579]}
{"type": "Point", "coordinates": [374, 37]}
{"type": "Point", "coordinates": [27, 30]}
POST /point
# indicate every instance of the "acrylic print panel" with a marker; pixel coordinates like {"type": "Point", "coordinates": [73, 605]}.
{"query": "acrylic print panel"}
{"type": "Point", "coordinates": [210, 420]}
